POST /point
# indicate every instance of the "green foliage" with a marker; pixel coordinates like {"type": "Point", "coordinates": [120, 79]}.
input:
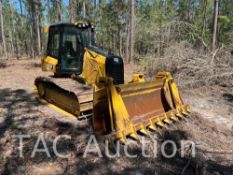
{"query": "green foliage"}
{"type": "Point", "coordinates": [159, 23]}
{"type": "Point", "coordinates": [111, 20]}
{"type": "Point", "coordinates": [13, 126]}
{"type": "Point", "coordinates": [1, 158]}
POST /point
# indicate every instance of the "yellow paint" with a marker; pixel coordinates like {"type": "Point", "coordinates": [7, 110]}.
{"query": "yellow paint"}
{"type": "Point", "coordinates": [53, 106]}
{"type": "Point", "coordinates": [152, 126]}
{"type": "Point", "coordinates": [56, 108]}
{"type": "Point", "coordinates": [122, 125]}
{"type": "Point", "coordinates": [137, 78]}
{"type": "Point", "coordinates": [46, 29]}
{"type": "Point", "coordinates": [49, 64]}
{"type": "Point", "coordinates": [93, 66]}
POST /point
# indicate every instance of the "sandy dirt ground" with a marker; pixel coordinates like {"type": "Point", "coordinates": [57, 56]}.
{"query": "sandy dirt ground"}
{"type": "Point", "coordinates": [210, 127]}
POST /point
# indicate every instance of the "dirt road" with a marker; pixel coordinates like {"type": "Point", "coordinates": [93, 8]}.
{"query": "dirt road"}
{"type": "Point", "coordinates": [210, 128]}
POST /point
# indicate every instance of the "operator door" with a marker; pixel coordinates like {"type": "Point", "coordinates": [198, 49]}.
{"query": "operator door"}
{"type": "Point", "coordinates": [64, 45]}
{"type": "Point", "coordinates": [71, 51]}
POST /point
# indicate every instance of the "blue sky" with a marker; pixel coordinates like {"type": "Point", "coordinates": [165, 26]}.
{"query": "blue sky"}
{"type": "Point", "coordinates": [17, 5]}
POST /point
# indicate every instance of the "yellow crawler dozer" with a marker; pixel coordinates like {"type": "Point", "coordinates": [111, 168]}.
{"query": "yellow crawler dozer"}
{"type": "Point", "coordinates": [98, 89]}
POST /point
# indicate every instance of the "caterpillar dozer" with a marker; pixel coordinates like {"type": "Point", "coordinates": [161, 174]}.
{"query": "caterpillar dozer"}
{"type": "Point", "coordinates": [87, 82]}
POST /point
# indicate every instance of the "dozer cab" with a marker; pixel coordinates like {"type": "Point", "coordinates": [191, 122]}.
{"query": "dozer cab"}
{"type": "Point", "coordinates": [97, 88]}
{"type": "Point", "coordinates": [70, 47]}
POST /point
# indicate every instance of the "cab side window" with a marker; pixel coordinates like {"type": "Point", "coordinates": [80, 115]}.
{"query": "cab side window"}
{"type": "Point", "coordinates": [53, 44]}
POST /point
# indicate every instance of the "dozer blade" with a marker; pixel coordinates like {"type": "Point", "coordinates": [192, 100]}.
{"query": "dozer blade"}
{"type": "Point", "coordinates": [75, 100]}
{"type": "Point", "coordinates": [124, 110]}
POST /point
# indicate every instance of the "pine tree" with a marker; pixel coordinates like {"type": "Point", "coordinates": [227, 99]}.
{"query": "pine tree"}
{"type": "Point", "coordinates": [2, 29]}
{"type": "Point", "coordinates": [215, 24]}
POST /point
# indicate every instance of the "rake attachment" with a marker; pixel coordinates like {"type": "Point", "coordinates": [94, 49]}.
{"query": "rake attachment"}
{"type": "Point", "coordinates": [126, 110]}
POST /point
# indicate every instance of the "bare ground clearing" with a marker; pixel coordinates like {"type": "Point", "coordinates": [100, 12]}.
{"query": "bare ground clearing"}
{"type": "Point", "coordinates": [211, 128]}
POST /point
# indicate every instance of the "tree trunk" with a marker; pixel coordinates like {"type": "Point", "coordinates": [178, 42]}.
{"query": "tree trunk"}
{"type": "Point", "coordinates": [48, 11]}
{"type": "Point", "coordinates": [20, 31]}
{"type": "Point", "coordinates": [84, 9]}
{"type": "Point", "coordinates": [204, 18]}
{"type": "Point", "coordinates": [159, 51]}
{"type": "Point", "coordinates": [12, 50]}
{"type": "Point", "coordinates": [2, 29]}
{"type": "Point", "coordinates": [38, 28]}
{"type": "Point", "coordinates": [95, 4]}
{"type": "Point", "coordinates": [127, 45]}
{"type": "Point", "coordinates": [72, 10]}
{"type": "Point", "coordinates": [58, 7]}
{"type": "Point", "coordinates": [31, 42]}
{"type": "Point", "coordinates": [215, 24]}
{"type": "Point", "coordinates": [33, 36]}
{"type": "Point", "coordinates": [14, 41]}
{"type": "Point", "coordinates": [132, 30]}
{"type": "Point", "coordinates": [120, 42]}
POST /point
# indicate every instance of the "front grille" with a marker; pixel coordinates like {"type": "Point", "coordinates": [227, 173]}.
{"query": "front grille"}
{"type": "Point", "coordinates": [115, 69]}
{"type": "Point", "coordinates": [117, 73]}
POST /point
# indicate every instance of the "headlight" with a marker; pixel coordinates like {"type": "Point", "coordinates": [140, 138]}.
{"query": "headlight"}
{"type": "Point", "coordinates": [116, 60]}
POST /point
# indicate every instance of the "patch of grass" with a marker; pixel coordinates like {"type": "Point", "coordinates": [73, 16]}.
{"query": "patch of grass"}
{"type": "Point", "coordinates": [1, 158]}
{"type": "Point", "coordinates": [2, 65]}
{"type": "Point", "coordinates": [13, 126]}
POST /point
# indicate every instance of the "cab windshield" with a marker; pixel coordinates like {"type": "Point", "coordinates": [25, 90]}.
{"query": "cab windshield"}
{"type": "Point", "coordinates": [68, 42]}
{"type": "Point", "coordinates": [70, 46]}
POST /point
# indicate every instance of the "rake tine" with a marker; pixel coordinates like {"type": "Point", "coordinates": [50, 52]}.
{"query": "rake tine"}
{"type": "Point", "coordinates": [179, 116]}
{"type": "Point", "coordinates": [167, 121]}
{"type": "Point", "coordinates": [135, 137]}
{"type": "Point", "coordinates": [152, 127]}
{"type": "Point", "coordinates": [144, 132]}
{"type": "Point", "coordinates": [174, 118]}
{"type": "Point", "coordinates": [160, 123]}
{"type": "Point", "coordinates": [188, 109]}
{"type": "Point", "coordinates": [122, 138]}
{"type": "Point", "coordinates": [122, 141]}
{"type": "Point", "coordinates": [185, 113]}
